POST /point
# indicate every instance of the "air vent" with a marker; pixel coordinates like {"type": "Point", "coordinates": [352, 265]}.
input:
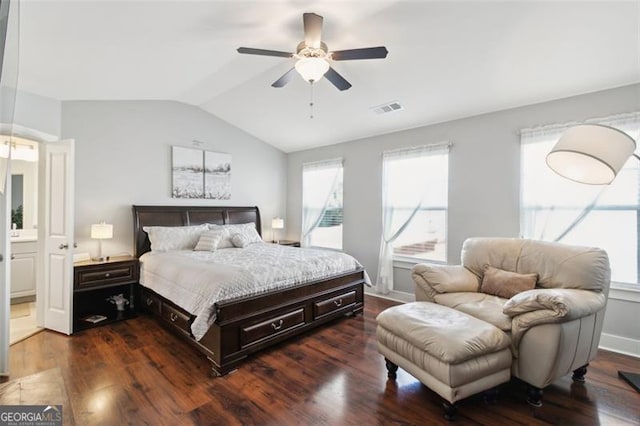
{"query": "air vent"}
{"type": "Point", "coordinates": [388, 107]}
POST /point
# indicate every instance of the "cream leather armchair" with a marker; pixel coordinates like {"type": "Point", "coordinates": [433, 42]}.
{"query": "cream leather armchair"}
{"type": "Point", "coordinates": [555, 327]}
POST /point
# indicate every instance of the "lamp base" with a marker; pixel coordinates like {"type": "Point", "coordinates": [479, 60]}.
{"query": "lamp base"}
{"type": "Point", "coordinates": [632, 378]}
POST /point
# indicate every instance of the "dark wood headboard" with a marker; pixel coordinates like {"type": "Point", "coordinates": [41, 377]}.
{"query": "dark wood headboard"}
{"type": "Point", "coordinates": [185, 216]}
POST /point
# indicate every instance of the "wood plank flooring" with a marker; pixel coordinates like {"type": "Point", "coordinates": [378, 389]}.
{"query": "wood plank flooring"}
{"type": "Point", "coordinates": [134, 372]}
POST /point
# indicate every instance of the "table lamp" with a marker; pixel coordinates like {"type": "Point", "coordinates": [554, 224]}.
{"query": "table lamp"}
{"type": "Point", "coordinates": [101, 231]}
{"type": "Point", "coordinates": [276, 223]}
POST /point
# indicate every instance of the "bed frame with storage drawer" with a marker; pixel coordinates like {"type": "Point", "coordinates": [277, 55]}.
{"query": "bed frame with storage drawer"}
{"type": "Point", "coordinates": [244, 326]}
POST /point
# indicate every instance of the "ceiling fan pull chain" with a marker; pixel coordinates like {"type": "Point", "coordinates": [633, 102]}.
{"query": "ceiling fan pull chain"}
{"type": "Point", "coordinates": [311, 100]}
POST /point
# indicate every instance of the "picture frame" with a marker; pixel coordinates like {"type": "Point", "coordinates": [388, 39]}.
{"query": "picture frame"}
{"type": "Point", "coordinates": [197, 173]}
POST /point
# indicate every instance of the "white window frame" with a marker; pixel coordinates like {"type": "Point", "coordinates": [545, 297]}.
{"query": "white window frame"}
{"type": "Point", "coordinates": [311, 223]}
{"type": "Point", "coordinates": [619, 290]}
{"type": "Point", "coordinates": [387, 259]}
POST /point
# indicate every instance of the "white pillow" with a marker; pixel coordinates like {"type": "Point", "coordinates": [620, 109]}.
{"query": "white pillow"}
{"type": "Point", "coordinates": [209, 241]}
{"type": "Point", "coordinates": [165, 238]}
{"type": "Point", "coordinates": [246, 229]}
{"type": "Point", "coordinates": [240, 241]}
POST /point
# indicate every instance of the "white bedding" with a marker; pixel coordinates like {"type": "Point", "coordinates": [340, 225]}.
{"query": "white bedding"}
{"type": "Point", "coordinates": [196, 280]}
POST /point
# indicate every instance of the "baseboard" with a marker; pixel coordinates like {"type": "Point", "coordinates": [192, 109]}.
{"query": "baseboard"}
{"type": "Point", "coordinates": [619, 344]}
{"type": "Point", "coordinates": [396, 296]}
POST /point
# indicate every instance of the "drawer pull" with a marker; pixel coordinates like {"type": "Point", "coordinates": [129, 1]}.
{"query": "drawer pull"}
{"type": "Point", "coordinates": [149, 301]}
{"type": "Point", "coordinates": [278, 326]}
{"type": "Point", "coordinates": [107, 275]}
{"type": "Point", "coordinates": [173, 317]}
{"type": "Point", "coordinates": [338, 303]}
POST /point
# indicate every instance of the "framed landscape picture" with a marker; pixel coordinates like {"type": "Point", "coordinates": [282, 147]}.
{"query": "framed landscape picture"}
{"type": "Point", "coordinates": [200, 174]}
{"type": "Point", "coordinates": [188, 172]}
{"type": "Point", "coordinates": [217, 175]}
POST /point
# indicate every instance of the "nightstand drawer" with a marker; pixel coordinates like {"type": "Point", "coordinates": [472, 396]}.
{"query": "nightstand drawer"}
{"type": "Point", "coordinates": [100, 275]}
{"type": "Point", "coordinates": [176, 318]}
{"type": "Point", "coordinates": [327, 306]}
{"type": "Point", "coordinates": [256, 332]}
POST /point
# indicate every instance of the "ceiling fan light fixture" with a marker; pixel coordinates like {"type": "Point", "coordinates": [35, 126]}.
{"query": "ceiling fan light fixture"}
{"type": "Point", "coordinates": [312, 69]}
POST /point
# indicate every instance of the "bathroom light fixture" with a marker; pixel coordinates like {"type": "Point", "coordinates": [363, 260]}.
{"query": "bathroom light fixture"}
{"type": "Point", "coordinates": [19, 152]}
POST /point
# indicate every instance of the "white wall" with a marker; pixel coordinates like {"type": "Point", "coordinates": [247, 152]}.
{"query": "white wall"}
{"type": "Point", "coordinates": [37, 113]}
{"type": "Point", "coordinates": [484, 181]}
{"type": "Point", "coordinates": [123, 157]}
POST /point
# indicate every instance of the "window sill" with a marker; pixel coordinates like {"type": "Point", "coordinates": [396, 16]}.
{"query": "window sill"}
{"type": "Point", "coordinates": [624, 291]}
{"type": "Point", "coordinates": [325, 248]}
{"type": "Point", "coordinates": [410, 262]}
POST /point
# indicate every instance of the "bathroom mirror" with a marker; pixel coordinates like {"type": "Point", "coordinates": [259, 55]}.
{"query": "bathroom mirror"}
{"type": "Point", "coordinates": [17, 200]}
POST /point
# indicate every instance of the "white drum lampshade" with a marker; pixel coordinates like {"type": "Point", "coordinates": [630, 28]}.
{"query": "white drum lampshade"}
{"type": "Point", "coordinates": [591, 153]}
{"type": "Point", "coordinates": [276, 223]}
{"type": "Point", "coordinates": [101, 231]}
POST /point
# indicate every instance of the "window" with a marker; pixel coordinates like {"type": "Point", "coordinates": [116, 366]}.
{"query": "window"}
{"type": "Point", "coordinates": [322, 204]}
{"type": "Point", "coordinates": [553, 208]}
{"type": "Point", "coordinates": [415, 191]}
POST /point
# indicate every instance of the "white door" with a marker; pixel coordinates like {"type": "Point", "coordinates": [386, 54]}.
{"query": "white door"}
{"type": "Point", "coordinates": [5, 270]}
{"type": "Point", "coordinates": [55, 283]}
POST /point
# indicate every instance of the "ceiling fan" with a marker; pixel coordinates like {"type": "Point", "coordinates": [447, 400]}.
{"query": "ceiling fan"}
{"type": "Point", "coordinates": [313, 56]}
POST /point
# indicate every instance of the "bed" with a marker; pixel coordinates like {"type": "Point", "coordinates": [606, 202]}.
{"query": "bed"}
{"type": "Point", "coordinates": [243, 325]}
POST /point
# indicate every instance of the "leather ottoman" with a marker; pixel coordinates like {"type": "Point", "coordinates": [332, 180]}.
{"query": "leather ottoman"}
{"type": "Point", "coordinates": [450, 352]}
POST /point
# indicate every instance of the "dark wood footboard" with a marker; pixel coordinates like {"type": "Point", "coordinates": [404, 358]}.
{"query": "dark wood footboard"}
{"type": "Point", "coordinates": [247, 325]}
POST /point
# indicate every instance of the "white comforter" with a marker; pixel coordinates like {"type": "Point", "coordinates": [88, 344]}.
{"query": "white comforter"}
{"type": "Point", "coordinates": [196, 280]}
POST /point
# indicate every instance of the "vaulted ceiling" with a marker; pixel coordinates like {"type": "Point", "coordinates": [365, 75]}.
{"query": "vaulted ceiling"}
{"type": "Point", "coordinates": [446, 59]}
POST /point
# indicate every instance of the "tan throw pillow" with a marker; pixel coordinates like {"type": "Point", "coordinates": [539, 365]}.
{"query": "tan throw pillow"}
{"type": "Point", "coordinates": [504, 283]}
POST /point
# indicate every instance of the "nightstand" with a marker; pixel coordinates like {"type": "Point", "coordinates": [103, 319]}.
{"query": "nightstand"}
{"type": "Point", "coordinates": [288, 243]}
{"type": "Point", "coordinates": [95, 282]}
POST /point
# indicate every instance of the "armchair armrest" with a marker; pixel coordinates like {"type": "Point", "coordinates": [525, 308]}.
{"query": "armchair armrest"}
{"type": "Point", "coordinates": [549, 306]}
{"type": "Point", "coordinates": [433, 279]}
{"type": "Point", "coordinates": [564, 303]}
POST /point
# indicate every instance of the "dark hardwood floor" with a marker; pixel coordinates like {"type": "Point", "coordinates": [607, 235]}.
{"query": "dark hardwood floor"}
{"type": "Point", "coordinates": [134, 372]}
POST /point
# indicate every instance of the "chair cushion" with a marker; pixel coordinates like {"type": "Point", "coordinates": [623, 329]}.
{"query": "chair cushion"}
{"type": "Point", "coordinates": [480, 305]}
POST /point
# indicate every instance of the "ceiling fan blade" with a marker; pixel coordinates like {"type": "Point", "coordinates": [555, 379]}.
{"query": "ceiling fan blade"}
{"type": "Point", "coordinates": [364, 53]}
{"type": "Point", "coordinates": [312, 29]}
{"type": "Point", "coordinates": [284, 79]}
{"type": "Point", "coordinates": [336, 79]}
{"type": "Point", "coordinates": [251, 51]}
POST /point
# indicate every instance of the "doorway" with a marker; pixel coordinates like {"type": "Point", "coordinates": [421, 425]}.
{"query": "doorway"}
{"type": "Point", "coordinates": [23, 237]}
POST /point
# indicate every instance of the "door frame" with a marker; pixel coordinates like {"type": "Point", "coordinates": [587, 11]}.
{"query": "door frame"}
{"type": "Point", "coordinates": [39, 137]}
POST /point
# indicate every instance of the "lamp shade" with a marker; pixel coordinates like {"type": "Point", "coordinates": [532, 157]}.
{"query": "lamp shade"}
{"type": "Point", "coordinates": [101, 231]}
{"type": "Point", "coordinates": [591, 153]}
{"type": "Point", "coordinates": [312, 69]}
{"type": "Point", "coordinates": [277, 223]}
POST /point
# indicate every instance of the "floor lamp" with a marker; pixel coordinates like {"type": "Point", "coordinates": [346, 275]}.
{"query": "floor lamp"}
{"type": "Point", "coordinates": [594, 154]}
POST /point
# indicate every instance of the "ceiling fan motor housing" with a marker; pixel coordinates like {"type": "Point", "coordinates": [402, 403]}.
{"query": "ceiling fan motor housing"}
{"type": "Point", "coordinates": [304, 51]}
